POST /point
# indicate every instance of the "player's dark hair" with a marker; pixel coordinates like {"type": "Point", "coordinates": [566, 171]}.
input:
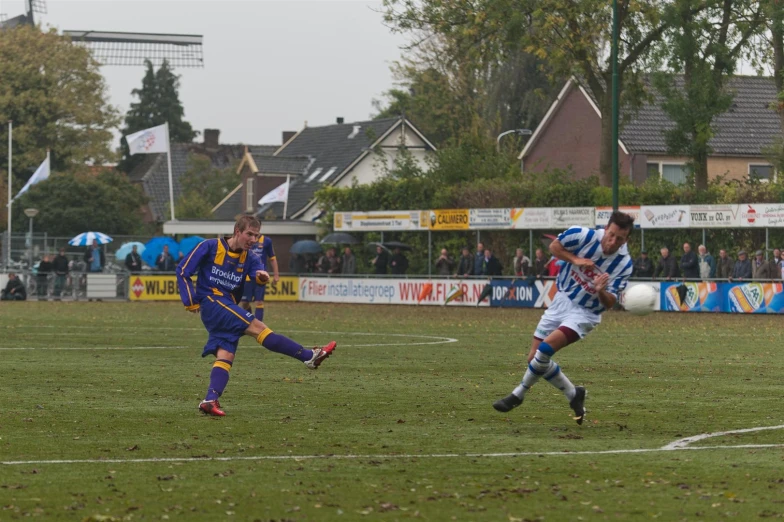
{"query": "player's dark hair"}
{"type": "Point", "coordinates": [622, 220]}
{"type": "Point", "coordinates": [247, 221]}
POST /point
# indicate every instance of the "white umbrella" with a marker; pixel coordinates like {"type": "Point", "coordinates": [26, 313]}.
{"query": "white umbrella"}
{"type": "Point", "coordinates": [86, 239]}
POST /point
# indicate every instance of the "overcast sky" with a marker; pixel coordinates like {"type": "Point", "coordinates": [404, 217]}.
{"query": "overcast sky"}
{"type": "Point", "coordinates": [269, 66]}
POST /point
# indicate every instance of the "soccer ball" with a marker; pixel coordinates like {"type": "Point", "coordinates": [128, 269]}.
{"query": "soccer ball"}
{"type": "Point", "coordinates": [640, 299]}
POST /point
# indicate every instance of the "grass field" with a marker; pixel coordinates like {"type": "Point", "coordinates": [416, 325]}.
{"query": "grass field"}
{"type": "Point", "coordinates": [99, 418]}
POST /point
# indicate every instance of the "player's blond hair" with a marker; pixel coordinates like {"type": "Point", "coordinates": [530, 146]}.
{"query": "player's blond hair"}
{"type": "Point", "coordinates": [245, 222]}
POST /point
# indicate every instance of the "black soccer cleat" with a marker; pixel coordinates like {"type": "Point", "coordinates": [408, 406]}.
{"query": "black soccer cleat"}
{"type": "Point", "coordinates": [578, 403]}
{"type": "Point", "coordinates": [508, 403]}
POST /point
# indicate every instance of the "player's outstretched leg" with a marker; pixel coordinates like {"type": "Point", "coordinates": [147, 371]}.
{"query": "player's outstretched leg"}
{"type": "Point", "coordinates": [219, 378]}
{"type": "Point", "coordinates": [539, 366]}
{"type": "Point", "coordinates": [281, 344]}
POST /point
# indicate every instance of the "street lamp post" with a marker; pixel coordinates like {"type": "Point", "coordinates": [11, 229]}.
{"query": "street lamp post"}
{"type": "Point", "coordinates": [519, 132]}
{"type": "Point", "coordinates": [31, 213]}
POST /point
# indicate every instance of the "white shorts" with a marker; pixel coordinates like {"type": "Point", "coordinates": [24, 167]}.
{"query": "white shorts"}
{"type": "Point", "coordinates": [563, 312]}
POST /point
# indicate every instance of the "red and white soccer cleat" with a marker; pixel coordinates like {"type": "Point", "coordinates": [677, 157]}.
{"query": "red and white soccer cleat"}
{"type": "Point", "coordinates": [212, 408]}
{"type": "Point", "coordinates": [320, 354]}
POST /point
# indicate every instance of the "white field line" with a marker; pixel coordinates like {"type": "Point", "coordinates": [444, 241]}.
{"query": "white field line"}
{"type": "Point", "coordinates": [433, 339]}
{"type": "Point", "coordinates": [683, 443]}
{"type": "Point", "coordinates": [385, 456]}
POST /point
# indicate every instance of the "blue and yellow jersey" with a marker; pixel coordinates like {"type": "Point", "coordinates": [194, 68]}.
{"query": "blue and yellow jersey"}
{"type": "Point", "coordinates": [219, 272]}
{"type": "Point", "coordinates": [263, 249]}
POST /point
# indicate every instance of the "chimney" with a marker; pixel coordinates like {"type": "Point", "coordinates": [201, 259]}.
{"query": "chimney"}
{"type": "Point", "coordinates": [211, 139]}
{"type": "Point", "coordinates": [287, 135]}
{"type": "Point", "coordinates": [340, 120]}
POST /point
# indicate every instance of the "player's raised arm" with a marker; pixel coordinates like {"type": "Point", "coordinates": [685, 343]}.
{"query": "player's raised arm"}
{"type": "Point", "coordinates": [187, 267]}
{"type": "Point", "coordinates": [563, 247]}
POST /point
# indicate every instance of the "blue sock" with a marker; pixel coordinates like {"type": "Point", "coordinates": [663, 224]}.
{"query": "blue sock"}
{"type": "Point", "coordinates": [259, 313]}
{"type": "Point", "coordinates": [280, 344]}
{"type": "Point", "coordinates": [219, 378]}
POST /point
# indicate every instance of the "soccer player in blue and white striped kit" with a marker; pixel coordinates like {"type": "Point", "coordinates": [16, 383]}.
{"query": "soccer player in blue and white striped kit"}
{"type": "Point", "coordinates": [221, 266]}
{"type": "Point", "coordinates": [596, 270]}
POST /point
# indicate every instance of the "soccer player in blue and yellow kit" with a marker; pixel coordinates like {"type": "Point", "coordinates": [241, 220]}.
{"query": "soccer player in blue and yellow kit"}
{"type": "Point", "coordinates": [253, 292]}
{"type": "Point", "coordinates": [221, 266]}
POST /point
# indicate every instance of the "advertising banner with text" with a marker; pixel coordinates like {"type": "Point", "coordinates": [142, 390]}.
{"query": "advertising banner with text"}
{"type": "Point", "coordinates": [449, 292]}
{"type": "Point", "coordinates": [164, 288]}
{"type": "Point", "coordinates": [454, 219]}
{"type": "Point", "coordinates": [665, 216]}
{"type": "Point", "coordinates": [745, 298]}
{"type": "Point", "coordinates": [715, 216]}
{"type": "Point", "coordinates": [762, 215]}
{"type": "Point", "coordinates": [376, 221]}
{"type": "Point", "coordinates": [603, 215]}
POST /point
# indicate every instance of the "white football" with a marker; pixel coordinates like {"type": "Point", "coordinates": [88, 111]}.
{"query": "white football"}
{"type": "Point", "coordinates": [640, 299]}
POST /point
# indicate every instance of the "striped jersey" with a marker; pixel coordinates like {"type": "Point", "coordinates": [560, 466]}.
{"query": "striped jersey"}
{"type": "Point", "coordinates": [263, 249]}
{"type": "Point", "coordinates": [577, 282]}
{"type": "Point", "coordinates": [219, 272]}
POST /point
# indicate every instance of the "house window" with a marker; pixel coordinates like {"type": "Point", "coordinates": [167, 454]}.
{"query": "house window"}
{"type": "Point", "coordinates": [762, 172]}
{"type": "Point", "coordinates": [313, 175]}
{"type": "Point", "coordinates": [674, 173]}
{"type": "Point", "coordinates": [653, 170]}
{"type": "Point", "coordinates": [249, 206]}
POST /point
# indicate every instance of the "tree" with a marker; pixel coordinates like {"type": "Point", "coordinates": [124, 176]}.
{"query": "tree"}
{"type": "Point", "coordinates": [704, 43]}
{"type": "Point", "coordinates": [73, 203]}
{"type": "Point", "coordinates": [572, 37]}
{"type": "Point", "coordinates": [159, 103]}
{"type": "Point", "coordinates": [448, 89]}
{"type": "Point", "coordinates": [57, 99]}
{"type": "Point", "coordinates": [203, 186]}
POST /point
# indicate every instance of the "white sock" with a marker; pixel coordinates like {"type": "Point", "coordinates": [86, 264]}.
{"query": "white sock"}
{"type": "Point", "coordinates": [559, 379]}
{"type": "Point", "coordinates": [540, 365]}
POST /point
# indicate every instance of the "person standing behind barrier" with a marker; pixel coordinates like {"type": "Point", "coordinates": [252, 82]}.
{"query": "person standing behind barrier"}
{"type": "Point", "coordinates": [540, 264]}
{"type": "Point", "coordinates": [667, 268]}
{"type": "Point", "coordinates": [724, 265]}
{"type": "Point", "coordinates": [165, 261]}
{"type": "Point", "coordinates": [690, 265]}
{"type": "Point", "coordinates": [133, 261]}
{"type": "Point", "coordinates": [444, 264]}
{"type": "Point", "coordinates": [42, 278]}
{"type": "Point", "coordinates": [707, 263]}
{"type": "Point", "coordinates": [465, 268]}
{"type": "Point", "coordinates": [760, 269]}
{"type": "Point", "coordinates": [643, 267]}
{"type": "Point", "coordinates": [348, 265]}
{"type": "Point", "coordinates": [479, 258]}
{"type": "Point", "coordinates": [380, 261]}
{"type": "Point", "coordinates": [94, 257]}
{"type": "Point", "coordinates": [398, 265]}
{"type": "Point", "coordinates": [742, 268]}
{"type": "Point", "coordinates": [521, 264]}
{"type": "Point", "coordinates": [60, 267]}
{"type": "Point", "coordinates": [491, 266]}
{"type": "Point", "coordinates": [775, 264]}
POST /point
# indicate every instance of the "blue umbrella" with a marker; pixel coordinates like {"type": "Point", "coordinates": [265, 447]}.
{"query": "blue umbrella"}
{"type": "Point", "coordinates": [154, 247]}
{"type": "Point", "coordinates": [189, 243]}
{"type": "Point", "coordinates": [305, 246]}
{"type": "Point", "coordinates": [124, 250]}
{"type": "Point", "coordinates": [86, 239]}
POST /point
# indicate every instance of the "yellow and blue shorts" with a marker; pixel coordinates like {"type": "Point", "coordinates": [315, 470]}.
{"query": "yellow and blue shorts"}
{"type": "Point", "coordinates": [225, 322]}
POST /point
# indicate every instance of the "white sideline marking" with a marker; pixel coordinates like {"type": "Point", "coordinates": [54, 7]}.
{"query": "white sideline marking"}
{"type": "Point", "coordinates": [683, 443]}
{"type": "Point", "coordinates": [433, 339]}
{"type": "Point", "coordinates": [382, 456]}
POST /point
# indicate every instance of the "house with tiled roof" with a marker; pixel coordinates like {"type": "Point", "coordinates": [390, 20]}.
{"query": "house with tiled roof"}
{"type": "Point", "coordinates": [153, 173]}
{"type": "Point", "coordinates": [333, 155]}
{"type": "Point", "coordinates": [569, 136]}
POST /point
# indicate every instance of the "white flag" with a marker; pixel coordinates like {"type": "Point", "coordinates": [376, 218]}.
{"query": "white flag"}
{"type": "Point", "coordinates": [149, 141]}
{"type": "Point", "coordinates": [40, 174]}
{"type": "Point", "coordinates": [281, 194]}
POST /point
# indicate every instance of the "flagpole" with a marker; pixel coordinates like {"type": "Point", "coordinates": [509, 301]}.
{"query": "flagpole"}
{"type": "Point", "coordinates": [171, 184]}
{"type": "Point", "coordinates": [10, 176]}
{"type": "Point", "coordinates": [286, 202]}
